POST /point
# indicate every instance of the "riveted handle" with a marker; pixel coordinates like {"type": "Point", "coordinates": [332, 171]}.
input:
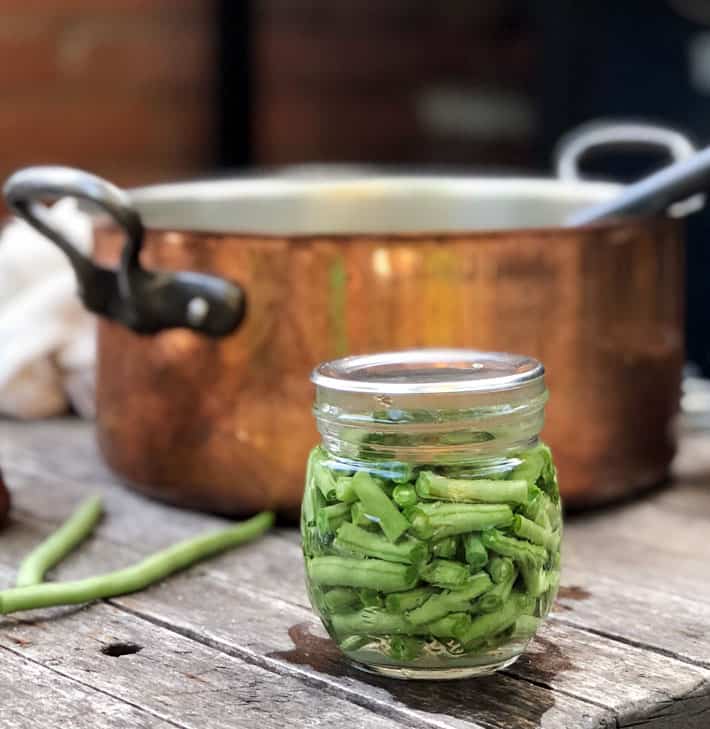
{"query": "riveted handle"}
{"type": "Point", "coordinates": [145, 301]}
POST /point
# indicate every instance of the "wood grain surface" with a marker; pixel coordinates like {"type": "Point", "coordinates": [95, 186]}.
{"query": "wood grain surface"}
{"type": "Point", "coordinates": [233, 642]}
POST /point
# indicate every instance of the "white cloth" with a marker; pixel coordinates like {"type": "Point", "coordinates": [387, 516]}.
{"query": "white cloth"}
{"type": "Point", "coordinates": [47, 338]}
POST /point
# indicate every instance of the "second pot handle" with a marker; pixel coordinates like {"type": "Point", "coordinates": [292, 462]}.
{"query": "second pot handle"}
{"type": "Point", "coordinates": [145, 301]}
{"type": "Point", "coordinates": [600, 135]}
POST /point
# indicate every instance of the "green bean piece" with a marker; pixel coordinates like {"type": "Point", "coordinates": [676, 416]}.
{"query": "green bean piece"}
{"type": "Point", "coordinates": [325, 481]}
{"type": "Point", "coordinates": [370, 621]}
{"type": "Point", "coordinates": [535, 503]}
{"type": "Point", "coordinates": [525, 627]}
{"type": "Point", "coordinates": [405, 601]}
{"type": "Point", "coordinates": [487, 626]}
{"type": "Point", "coordinates": [370, 598]}
{"type": "Point", "coordinates": [500, 569]}
{"type": "Point", "coordinates": [535, 579]}
{"type": "Point", "coordinates": [360, 517]}
{"type": "Point", "coordinates": [554, 513]}
{"type": "Point", "coordinates": [531, 467]}
{"type": "Point", "coordinates": [421, 524]}
{"type": "Point", "coordinates": [377, 503]}
{"type": "Point", "coordinates": [344, 489]}
{"type": "Point", "coordinates": [450, 519]}
{"type": "Point", "coordinates": [58, 545]}
{"type": "Point", "coordinates": [445, 573]}
{"type": "Point", "coordinates": [452, 601]}
{"type": "Point", "coordinates": [329, 518]}
{"type": "Point", "coordinates": [353, 643]}
{"type": "Point", "coordinates": [474, 551]}
{"type": "Point", "coordinates": [405, 648]}
{"type": "Point", "coordinates": [405, 495]}
{"type": "Point", "coordinates": [370, 544]}
{"type": "Point", "coordinates": [137, 577]}
{"type": "Point", "coordinates": [453, 625]}
{"type": "Point", "coordinates": [446, 548]}
{"type": "Point", "coordinates": [534, 533]}
{"type": "Point", "coordinates": [495, 598]}
{"type": "Point", "coordinates": [373, 573]}
{"type": "Point", "coordinates": [313, 500]}
{"type": "Point", "coordinates": [431, 486]}
{"type": "Point", "coordinates": [340, 599]}
{"type": "Point", "coordinates": [520, 551]}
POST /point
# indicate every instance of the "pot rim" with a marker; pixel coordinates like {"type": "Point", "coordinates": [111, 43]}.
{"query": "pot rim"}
{"type": "Point", "coordinates": [383, 206]}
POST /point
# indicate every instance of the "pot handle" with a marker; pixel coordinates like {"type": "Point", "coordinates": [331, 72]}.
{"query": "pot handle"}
{"type": "Point", "coordinates": [600, 135]}
{"type": "Point", "coordinates": [145, 301]}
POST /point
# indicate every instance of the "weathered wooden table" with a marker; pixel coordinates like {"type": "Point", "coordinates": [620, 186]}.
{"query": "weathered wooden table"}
{"type": "Point", "coordinates": [233, 643]}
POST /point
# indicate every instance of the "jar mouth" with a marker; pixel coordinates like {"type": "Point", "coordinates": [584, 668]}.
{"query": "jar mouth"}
{"type": "Point", "coordinates": [428, 372]}
{"type": "Point", "coordinates": [429, 403]}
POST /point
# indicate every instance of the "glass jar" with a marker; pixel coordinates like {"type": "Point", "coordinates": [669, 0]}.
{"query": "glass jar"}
{"type": "Point", "coordinates": [431, 518]}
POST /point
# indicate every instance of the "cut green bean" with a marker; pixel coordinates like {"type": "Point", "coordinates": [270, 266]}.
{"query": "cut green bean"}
{"type": "Point", "coordinates": [139, 576]}
{"type": "Point", "coordinates": [535, 579]}
{"type": "Point", "coordinates": [446, 548]}
{"type": "Point", "coordinates": [405, 648]}
{"type": "Point", "coordinates": [500, 569]}
{"type": "Point", "coordinates": [58, 545]}
{"type": "Point", "coordinates": [534, 533]}
{"type": "Point", "coordinates": [445, 573]}
{"type": "Point", "coordinates": [520, 551]}
{"type": "Point", "coordinates": [487, 626]}
{"type": "Point", "coordinates": [525, 627]}
{"type": "Point", "coordinates": [377, 503]}
{"type": "Point", "coordinates": [370, 598]}
{"type": "Point", "coordinates": [329, 518]}
{"type": "Point", "coordinates": [325, 481]}
{"type": "Point", "coordinates": [450, 519]}
{"type": "Point", "coordinates": [491, 491]}
{"type": "Point", "coordinates": [497, 596]}
{"type": "Point", "coordinates": [420, 523]}
{"type": "Point", "coordinates": [476, 554]}
{"type": "Point", "coordinates": [373, 573]}
{"type": "Point", "coordinates": [407, 550]}
{"type": "Point", "coordinates": [453, 625]}
{"type": "Point", "coordinates": [405, 495]}
{"type": "Point", "coordinates": [340, 599]}
{"type": "Point", "coordinates": [353, 643]}
{"type": "Point", "coordinates": [405, 601]}
{"type": "Point", "coordinates": [344, 490]}
{"type": "Point", "coordinates": [360, 517]}
{"type": "Point", "coordinates": [452, 601]}
{"type": "Point", "coordinates": [371, 621]}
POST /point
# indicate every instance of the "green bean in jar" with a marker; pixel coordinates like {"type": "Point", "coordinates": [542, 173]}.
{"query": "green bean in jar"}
{"type": "Point", "coordinates": [431, 519]}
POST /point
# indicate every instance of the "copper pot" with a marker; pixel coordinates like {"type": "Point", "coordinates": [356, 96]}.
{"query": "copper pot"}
{"type": "Point", "coordinates": [324, 268]}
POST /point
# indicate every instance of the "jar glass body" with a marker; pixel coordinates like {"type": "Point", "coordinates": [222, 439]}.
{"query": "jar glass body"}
{"type": "Point", "coordinates": [431, 534]}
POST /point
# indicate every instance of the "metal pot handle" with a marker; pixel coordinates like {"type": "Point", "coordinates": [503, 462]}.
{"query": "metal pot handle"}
{"type": "Point", "coordinates": [145, 301]}
{"type": "Point", "coordinates": [599, 135]}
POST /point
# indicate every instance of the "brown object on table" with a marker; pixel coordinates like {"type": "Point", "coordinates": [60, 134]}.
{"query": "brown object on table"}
{"type": "Point", "coordinates": [4, 500]}
{"type": "Point", "coordinates": [237, 645]}
{"type": "Point", "coordinates": [226, 425]}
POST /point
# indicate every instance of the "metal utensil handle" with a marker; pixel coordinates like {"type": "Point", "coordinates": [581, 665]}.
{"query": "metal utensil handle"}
{"type": "Point", "coordinates": [605, 135]}
{"type": "Point", "coordinates": [145, 301]}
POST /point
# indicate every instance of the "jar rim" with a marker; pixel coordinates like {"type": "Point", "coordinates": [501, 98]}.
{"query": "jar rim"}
{"type": "Point", "coordinates": [428, 372]}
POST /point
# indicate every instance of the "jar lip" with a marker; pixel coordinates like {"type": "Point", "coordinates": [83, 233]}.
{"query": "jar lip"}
{"type": "Point", "coordinates": [428, 372]}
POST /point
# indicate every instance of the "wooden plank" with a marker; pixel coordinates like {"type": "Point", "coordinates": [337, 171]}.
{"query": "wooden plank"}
{"type": "Point", "coordinates": [229, 613]}
{"type": "Point", "coordinates": [33, 696]}
{"type": "Point", "coordinates": [266, 578]}
{"type": "Point", "coordinates": [625, 598]}
{"type": "Point", "coordinates": [641, 686]}
{"type": "Point", "coordinates": [172, 677]}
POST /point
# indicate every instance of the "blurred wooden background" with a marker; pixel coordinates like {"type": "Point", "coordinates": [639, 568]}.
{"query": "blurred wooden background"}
{"type": "Point", "coordinates": [122, 87]}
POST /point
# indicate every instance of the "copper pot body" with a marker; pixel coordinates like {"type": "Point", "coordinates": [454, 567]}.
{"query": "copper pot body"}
{"type": "Point", "coordinates": [225, 425]}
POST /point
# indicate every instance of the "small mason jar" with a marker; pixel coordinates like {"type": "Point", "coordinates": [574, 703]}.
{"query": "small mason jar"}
{"type": "Point", "coordinates": [431, 518]}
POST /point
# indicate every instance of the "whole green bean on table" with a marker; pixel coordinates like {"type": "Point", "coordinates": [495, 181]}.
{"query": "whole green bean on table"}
{"type": "Point", "coordinates": [423, 568]}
